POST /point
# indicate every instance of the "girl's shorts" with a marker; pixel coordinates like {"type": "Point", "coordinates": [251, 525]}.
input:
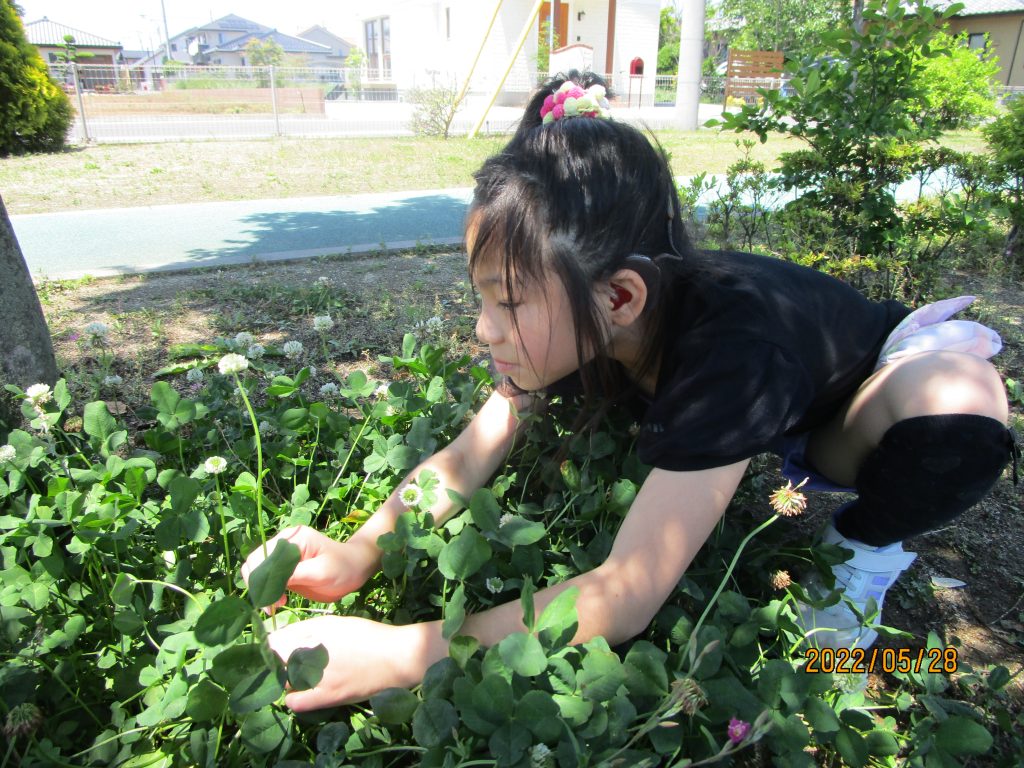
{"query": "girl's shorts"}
{"type": "Point", "coordinates": [927, 329]}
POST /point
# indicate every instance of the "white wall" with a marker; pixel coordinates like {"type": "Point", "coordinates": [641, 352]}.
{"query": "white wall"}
{"type": "Point", "coordinates": [636, 34]}
{"type": "Point", "coordinates": [420, 50]}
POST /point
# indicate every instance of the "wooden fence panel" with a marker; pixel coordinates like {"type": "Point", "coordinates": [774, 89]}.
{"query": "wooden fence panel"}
{"type": "Point", "coordinates": [747, 71]}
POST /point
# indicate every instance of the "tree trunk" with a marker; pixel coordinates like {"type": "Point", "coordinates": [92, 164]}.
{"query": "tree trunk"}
{"type": "Point", "coordinates": [26, 352]}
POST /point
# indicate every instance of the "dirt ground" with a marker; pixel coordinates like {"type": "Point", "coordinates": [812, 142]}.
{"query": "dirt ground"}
{"type": "Point", "coordinates": [376, 300]}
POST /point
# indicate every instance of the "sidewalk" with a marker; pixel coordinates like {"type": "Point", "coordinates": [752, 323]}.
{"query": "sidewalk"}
{"type": "Point", "coordinates": [107, 242]}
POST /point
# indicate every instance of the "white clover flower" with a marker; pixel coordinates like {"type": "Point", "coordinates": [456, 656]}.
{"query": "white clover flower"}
{"type": "Point", "coordinates": [540, 756]}
{"type": "Point", "coordinates": [411, 495]}
{"type": "Point", "coordinates": [323, 280]}
{"type": "Point", "coordinates": [275, 373]}
{"type": "Point", "coordinates": [850, 682]}
{"type": "Point", "coordinates": [330, 389]}
{"type": "Point", "coordinates": [215, 465]}
{"type": "Point", "coordinates": [7, 453]}
{"type": "Point", "coordinates": [322, 323]}
{"type": "Point", "coordinates": [112, 381]}
{"type": "Point", "coordinates": [97, 330]}
{"type": "Point", "coordinates": [232, 363]}
{"type": "Point", "coordinates": [381, 391]}
{"type": "Point", "coordinates": [432, 326]}
{"type": "Point", "coordinates": [494, 585]}
{"type": "Point", "coordinates": [312, 371]}
{"type": "Point", "coordinates": [505, 519]}
{"type": "Point", "coordinates": [244, 339]}
{"type": "Point", "coordinates": [293, 349]}
{"type": "Point", "coordinates": [255, 351]}
{"type": "Point", "coordinates": [38, 394]}
{"type": "Point", "coordinates": [195, 375]}
{"type": "Point", "coordinates": [266, 428]}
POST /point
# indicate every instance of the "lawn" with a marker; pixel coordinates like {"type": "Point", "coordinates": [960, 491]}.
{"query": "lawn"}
{"type": "Point", "coordinates": [121, 175]}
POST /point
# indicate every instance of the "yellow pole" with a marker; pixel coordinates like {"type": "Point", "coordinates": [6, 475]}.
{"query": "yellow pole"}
{"type": "Point", "coordinates": [483, 42]}
{"type": "Point", "coordinates": [527, 28]}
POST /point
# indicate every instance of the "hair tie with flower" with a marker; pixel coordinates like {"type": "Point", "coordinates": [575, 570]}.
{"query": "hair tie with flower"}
{"type": "Point", "coordinates": [570, 100]}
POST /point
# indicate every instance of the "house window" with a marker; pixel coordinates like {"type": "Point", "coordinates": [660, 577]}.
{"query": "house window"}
{"type": "Point", "coordinates": [976, 41]}
{"type": "Point", "coordinates": [378, 46]}
{"type": "Point", "coordinates": [53, 58]}
{"type": "Point", "coordinates": [220, 37]}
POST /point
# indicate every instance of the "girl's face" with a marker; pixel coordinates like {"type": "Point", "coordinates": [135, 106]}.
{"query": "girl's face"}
{"type": "Point", "coordinates": [543, 348]}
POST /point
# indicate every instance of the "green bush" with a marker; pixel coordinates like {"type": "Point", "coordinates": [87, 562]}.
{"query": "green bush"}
{"type": "Point", "coordinates": [959, 88]}
{"type": "Point", "coordinates": [861, 117]}
{"type": "Point", "coordinates": [1006, 138]}
{"type": "Point", "coordinates": [35, 113]}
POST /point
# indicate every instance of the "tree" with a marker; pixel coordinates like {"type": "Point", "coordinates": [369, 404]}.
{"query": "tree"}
{"type": "Point", "coordinates": [668, 42]}
{"type": "Point", "coordinates": [264, 52]}
{"type": "Point", "coordinates": [35, 113]}
{"type": "Point", "coordinates": [26, 352]}
{"type": "Point", "coordinates": [354, 65]}
{"type": "Point", "coordinates": [791, 26]}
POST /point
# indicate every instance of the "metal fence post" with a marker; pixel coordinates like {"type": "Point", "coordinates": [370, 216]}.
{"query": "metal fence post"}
{"type": "Point", "coordinates": [273, 102]}
{"type": "Point", "coordinates": [81, 104]}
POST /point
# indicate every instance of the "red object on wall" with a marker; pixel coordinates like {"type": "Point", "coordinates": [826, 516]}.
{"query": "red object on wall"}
{"type": "Point", "coordinates": [636, 66]}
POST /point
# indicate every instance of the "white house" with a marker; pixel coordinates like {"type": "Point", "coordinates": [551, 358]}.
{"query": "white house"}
{"type": "Point", "coordinates": [417, 42]}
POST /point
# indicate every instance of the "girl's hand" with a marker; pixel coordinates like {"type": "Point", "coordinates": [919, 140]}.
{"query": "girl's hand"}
{"type": "Point", "coordinates": [364, 657]}
{"type": "Point", "coordinates": [327, 571]}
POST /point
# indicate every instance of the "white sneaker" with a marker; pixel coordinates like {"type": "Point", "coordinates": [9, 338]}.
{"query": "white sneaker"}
{"type": "Point", "coordinates": [865, 576]}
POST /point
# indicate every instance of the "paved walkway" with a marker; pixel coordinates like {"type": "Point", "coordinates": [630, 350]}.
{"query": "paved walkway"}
{"type": "Point", "coordinates": [168, 237]}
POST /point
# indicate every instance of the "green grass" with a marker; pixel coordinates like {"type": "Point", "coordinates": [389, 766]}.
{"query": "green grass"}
{"type": "Point", "coordinates": [122, 175]}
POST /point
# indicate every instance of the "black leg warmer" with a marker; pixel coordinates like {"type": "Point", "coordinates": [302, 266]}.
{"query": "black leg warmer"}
{"type": "Point", "coordinates": [925, 472]}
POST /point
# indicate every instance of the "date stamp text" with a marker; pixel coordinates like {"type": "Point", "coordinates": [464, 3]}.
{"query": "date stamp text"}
{"type": "Point", "coordinates": [887, 660]}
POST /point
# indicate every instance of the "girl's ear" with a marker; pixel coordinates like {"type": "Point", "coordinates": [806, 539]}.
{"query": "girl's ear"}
{"type": "Point", "coordinates": [626, 295]}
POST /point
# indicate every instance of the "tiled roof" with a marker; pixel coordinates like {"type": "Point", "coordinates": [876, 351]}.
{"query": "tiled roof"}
{"type": "Point", "coordinates": [229, 23]}
{"type": "Point", "coordinates": [984, 7]}
{"type": "Point", "coordinates": [287, 42]}
{"type": "Point", "coordinates": [325, 33]}
{"type": "Point", "coordinates": [46, 32]}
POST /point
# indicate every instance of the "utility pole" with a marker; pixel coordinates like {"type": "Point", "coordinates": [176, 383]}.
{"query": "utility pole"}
{"type": "Point", "coordinates": [691, 57]}
{"type": "Point", "coordinates": [167, 34]}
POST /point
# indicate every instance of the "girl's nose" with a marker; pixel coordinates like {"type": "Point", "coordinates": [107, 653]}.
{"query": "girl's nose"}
{"type": "Point", "coordinates": [486, 331]}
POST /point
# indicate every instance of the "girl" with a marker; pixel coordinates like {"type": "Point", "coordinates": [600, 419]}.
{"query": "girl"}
{"type": "Point", "coordinates": [589, 284]}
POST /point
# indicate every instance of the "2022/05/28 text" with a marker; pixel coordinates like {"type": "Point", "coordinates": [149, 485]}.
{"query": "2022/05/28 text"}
{"type": "Point", "coordinates": [887, 660]}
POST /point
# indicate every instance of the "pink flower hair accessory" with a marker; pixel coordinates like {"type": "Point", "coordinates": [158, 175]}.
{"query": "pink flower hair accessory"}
{"type": "Point", "coordinates": [570, 100]}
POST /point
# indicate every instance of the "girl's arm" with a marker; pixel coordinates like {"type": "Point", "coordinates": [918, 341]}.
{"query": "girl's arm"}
{"type": "Point", "coordinates": [671, 517]}
{"type": "Point", "coordinates": [330, 569]}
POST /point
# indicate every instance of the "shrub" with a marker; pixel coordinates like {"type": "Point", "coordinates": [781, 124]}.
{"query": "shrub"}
{"type": "Point", "coordinates": [1006, 138]}
{"type": "Point", "coordinates": [435, 110]}
{"type": "Point", "coordinates": [35, 113]}
{"type": "Point", "coordinates": [860, 115]}
{"type": "Point", "coordinates": [959, 88]}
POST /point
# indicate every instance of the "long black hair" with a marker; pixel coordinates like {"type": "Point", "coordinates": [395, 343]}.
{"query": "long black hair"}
{"type": "Point", "coordinates": [579, 196]}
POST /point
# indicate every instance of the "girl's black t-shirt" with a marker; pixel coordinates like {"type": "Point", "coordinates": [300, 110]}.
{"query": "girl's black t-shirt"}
{"type": "Point", "coordinates": [757, 348]}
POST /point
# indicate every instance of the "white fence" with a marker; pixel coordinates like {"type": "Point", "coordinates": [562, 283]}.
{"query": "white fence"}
{"type": "Point", "coordinates": [139, 104]}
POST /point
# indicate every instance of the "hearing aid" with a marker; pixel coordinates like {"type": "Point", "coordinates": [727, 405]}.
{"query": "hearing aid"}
{"type": "Point", "coordinates": [620, 296]}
